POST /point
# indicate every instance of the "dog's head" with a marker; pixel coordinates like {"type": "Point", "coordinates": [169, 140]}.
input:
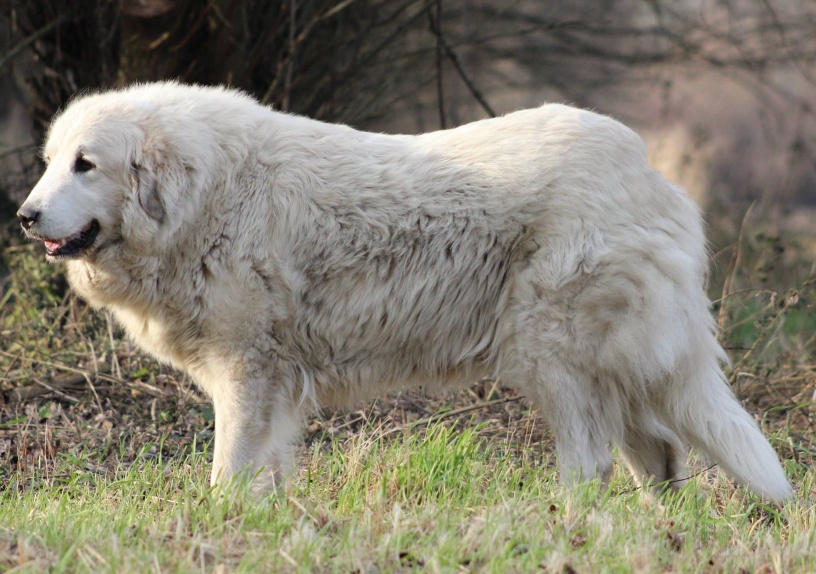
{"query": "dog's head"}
{"type": "Point", "coordinates": [110, 178]}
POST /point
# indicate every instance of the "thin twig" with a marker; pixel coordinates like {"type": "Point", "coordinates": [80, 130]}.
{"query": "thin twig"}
{"type": "Point", "coordinates": [454, 59]}
{"type": "Point", "coordinates": [116, 368]}
{"type": "Point", "coordinates": [293, 47]}
{"type": "Point", "coordinates": [139, 385]}
{"type": "Point", "coordinates": [447, 414]}
{"type": "Point", "coordinates": [27, 149]}
{"type": "Point", "coordinates": [30, 40]}
{"type": "Point", "coordinates": [733, 265]}
{"type": "Point", "coordinates": [193, 30]}
{"type": "Point", "coordinates": [56, 391]}
{"type": "Point", "coordinates": [87, 377]}
{"type": "Point", "coordinates": [754, 290]}
{"type": "Point", "coordinates": [287, 81]}
{"type": "Point", "coordinates": [435, 24]}
{"type": "Point", "coordinates": [442, 45]}
{"type": "Point", "coordinates": [669, 482]}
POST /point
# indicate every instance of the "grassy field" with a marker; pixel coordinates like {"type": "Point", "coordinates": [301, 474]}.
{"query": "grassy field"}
{"type": "Point", "coordinates": [104, 457]}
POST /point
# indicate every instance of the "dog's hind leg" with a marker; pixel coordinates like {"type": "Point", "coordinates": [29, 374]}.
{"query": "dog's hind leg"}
{"type": "Point", "coordinates": [583, 425]}
{"type": "Point", "coordinates": [652, 452]}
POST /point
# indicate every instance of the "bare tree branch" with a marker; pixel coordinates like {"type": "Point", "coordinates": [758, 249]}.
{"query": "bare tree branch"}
{"type": "Point", "coordinates": [20, 46]}
{"type": "Point", "coordinates": [435, 23]}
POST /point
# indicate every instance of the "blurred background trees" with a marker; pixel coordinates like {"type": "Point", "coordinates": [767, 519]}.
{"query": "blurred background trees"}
{"type": "Point", "coordinates": [722, 90]}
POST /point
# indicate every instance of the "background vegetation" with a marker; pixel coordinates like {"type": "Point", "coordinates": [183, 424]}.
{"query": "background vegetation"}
{"type": "Point", "coordinates": [104, 453]}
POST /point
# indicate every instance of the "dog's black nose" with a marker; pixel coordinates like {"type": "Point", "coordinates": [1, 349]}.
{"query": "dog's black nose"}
{"type": "Point", "coordinates": [28, 217]}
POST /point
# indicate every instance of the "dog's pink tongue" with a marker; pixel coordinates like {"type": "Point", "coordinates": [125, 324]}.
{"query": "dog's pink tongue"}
{"type": "Point", "coordinates": [52, 245]}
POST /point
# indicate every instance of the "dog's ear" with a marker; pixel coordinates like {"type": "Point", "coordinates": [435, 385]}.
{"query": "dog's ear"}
{"type": "Point", "coordinates": [146, 187]}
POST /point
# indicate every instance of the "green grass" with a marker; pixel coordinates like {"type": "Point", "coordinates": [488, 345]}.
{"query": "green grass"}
{"type": "Point", "coordinates": [444, 500]}
{"type": "Point", "coordinates": [109, 472]}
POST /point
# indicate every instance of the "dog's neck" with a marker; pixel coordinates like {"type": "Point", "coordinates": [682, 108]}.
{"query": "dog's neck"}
{"type": "Point", "coordinates": [132, 290]}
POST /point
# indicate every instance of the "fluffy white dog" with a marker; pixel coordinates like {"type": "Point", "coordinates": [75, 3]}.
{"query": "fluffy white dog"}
{"type": "Point", "coordinates": [289, 264]}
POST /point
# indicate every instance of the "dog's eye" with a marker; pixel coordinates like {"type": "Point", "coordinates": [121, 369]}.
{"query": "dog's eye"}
{"type": "Point", "coordinates": [81, 165]}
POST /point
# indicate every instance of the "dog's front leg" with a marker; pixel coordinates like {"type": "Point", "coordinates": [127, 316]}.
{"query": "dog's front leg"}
{"type": "Point", "coordinates": [255, 430]}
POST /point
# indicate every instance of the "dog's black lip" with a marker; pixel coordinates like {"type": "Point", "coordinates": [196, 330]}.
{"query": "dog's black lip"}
{"type": "Point", "coordinates": [76, 245]}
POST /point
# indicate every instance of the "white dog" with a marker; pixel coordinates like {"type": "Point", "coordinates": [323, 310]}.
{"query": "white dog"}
{"type": "Point", "coordinates": [289, 264]}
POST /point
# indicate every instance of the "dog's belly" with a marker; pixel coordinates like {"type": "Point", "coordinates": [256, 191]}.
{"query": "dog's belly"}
{"type": "Point", "coordinates": [441, 334]}
{"type": "Point", "coordinates": [413, 309]}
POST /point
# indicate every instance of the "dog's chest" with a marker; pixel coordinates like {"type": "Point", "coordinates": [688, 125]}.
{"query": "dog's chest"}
{"type": "Point", "coordinates": [157, 337]}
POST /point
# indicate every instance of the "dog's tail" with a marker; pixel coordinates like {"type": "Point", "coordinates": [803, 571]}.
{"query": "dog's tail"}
{"type": "Point", "coordinates": [703, 410]}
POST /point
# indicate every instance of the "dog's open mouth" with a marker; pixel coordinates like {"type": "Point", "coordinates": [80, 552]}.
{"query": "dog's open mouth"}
{"type": "Point", "coordinates": [75, 245]}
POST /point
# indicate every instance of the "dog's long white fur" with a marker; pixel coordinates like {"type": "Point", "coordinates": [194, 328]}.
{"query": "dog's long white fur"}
{"type": "Point", "coordinates": [289, 264]}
